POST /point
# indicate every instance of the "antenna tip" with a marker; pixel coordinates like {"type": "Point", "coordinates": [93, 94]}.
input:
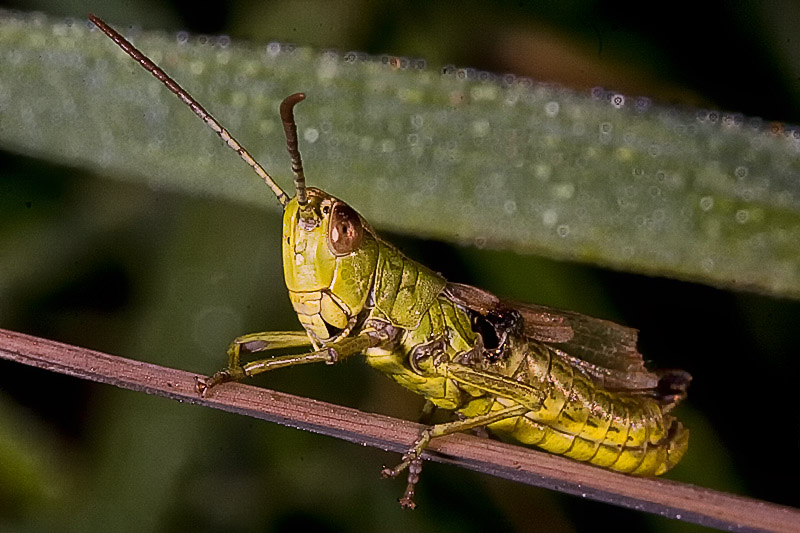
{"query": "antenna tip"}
{"type": "Point", "coordinates": [288, 104]}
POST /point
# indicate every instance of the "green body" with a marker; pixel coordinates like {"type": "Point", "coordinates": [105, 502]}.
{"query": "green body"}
{"type": "Point", "coordinates": [376, 286]}
{"type": "Point", "coordinates": [537, 376]}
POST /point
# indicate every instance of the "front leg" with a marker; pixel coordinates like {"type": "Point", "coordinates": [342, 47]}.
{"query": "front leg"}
{"type": "Point", "coordinates": [251, 343]}
{"type": "Point", "coordinates": [274, 340]}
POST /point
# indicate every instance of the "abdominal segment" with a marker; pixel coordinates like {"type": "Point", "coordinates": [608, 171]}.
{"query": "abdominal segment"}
{"type": "Point", "coordinates": [626, 432]}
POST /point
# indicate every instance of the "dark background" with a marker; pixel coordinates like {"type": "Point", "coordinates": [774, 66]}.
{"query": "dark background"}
{"type": "Point", "coordinates": [214, 470]}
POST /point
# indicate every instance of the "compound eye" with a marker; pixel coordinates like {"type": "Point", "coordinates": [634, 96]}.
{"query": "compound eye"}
{"type": "Point", "coordinates": [346, 232]}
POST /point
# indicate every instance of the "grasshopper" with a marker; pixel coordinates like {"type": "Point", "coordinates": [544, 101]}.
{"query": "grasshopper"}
{"type": "Point", "coordinates": [564, 382]}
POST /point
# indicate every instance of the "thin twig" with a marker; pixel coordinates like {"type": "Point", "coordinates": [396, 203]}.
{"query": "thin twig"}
{"type": "Point", "coordinates": [659, 496]}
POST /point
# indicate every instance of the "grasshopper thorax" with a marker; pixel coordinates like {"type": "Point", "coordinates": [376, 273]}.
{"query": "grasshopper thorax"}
{"type": "Point", "coordinates": [329, 259]}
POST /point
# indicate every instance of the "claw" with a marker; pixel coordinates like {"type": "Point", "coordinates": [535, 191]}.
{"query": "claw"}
{"type": "Point", "coordinates": [201, 385]}
{"type": "Point", "coordinates": [407, 501]}
{"type": "Point", "coordinates": [413, 463]}
{"type": "Point", "coordinates": [204, 384]}
{"type": "Point", "coordinates": [391, 472]}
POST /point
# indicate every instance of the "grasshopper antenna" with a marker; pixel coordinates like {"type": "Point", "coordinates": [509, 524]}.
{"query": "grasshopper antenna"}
{"type": "Point", "coordinates": [187, 99]}
{"type": "Point", "coordinates": [290, 129]}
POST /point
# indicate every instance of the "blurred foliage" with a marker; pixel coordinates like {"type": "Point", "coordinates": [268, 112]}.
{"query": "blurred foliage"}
{"type": "Point", "coordinates": [466, 156]}
{"type": "Point", "coordinates": [137, 267]}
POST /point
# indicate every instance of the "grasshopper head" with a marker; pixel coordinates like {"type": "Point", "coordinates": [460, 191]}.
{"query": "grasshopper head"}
{"type": "Point", "coordinates": [329, 259]}
{"type": "Point", "coordinates": [329, 251]}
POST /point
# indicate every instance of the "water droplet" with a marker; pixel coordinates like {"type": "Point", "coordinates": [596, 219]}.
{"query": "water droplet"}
{"type": "Point", "coordinates": [563, 230]}
{"type": "Point", "coordinates": [564, 191]}
{"type": "Point", "coordinates": [327, 68]}
{"type": "Point", "coordinates": [542, 171]}
{"type": "Point", "coordinates": [496, 180]}
{"type": "Point", "coordinates": [480, 128]}
{"type": "Point", "coordinates": [484, 92]}
{"type": "Point", "coordinates": [742, 216]}
{"type": "Point", "coordinates": [706, 203]}
{"type": "Point", "coordinates": [510, 207]}
{"type": "Point", "coordinates": [311, 135]}
{"type": "Point", "coordinates": [197, 67]}
{"type": "Point", "coordinates": [618, 100]}
{"type": "Point", "coordinates": [387, 146]}
{"type": "Point", "coordinates": [273, 49]}
{"type": "Point", "coordinates": [551, 109]}
{"type": "Point", "coordinates": [740, 172]}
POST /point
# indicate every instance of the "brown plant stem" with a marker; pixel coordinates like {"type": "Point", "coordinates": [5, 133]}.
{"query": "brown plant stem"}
{"type": "Point", "coordinates": [658, 496]}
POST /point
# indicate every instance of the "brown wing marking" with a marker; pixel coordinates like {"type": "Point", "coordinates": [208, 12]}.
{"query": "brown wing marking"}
{"type": "Point", "coordinates": [544, 326]}
{"type": "Point", "coordinates": [602, 350]}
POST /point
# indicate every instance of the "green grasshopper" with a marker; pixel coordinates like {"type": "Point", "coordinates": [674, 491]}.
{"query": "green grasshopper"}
{"type": "Point", "coordinates": [561, 381]}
